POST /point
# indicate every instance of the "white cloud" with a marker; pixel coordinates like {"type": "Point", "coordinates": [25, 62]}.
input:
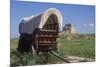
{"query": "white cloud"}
{"type": "Point", "coordinates": [85, 24]}
{"type": "Point", "coordinates": [89, 25]}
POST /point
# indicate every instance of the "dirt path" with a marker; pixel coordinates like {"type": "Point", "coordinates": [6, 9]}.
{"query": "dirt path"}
{"type": "Point", "coordinates": [75, 59]}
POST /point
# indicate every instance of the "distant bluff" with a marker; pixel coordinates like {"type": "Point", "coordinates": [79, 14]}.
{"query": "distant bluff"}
{"type": "Point", "coordinates": [69, 29]}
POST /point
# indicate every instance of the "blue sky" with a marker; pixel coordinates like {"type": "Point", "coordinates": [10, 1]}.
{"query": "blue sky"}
{"type": "Point", "coordinates": [81, 16]}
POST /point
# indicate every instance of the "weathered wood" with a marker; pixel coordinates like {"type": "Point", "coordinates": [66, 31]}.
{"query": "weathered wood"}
{"type": "Point", "coordinates": [45, 40]}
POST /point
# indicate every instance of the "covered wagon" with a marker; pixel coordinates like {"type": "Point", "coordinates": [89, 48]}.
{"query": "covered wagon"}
{"type": "Point", "coordinates": [40, 32]}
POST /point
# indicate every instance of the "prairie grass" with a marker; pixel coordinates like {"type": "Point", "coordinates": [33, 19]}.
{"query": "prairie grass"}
{"type": "Point", "coordinates": [82, 46]}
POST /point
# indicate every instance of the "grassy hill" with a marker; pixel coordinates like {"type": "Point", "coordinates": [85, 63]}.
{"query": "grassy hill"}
{"type": "Point", "coordinates": [79, 45]}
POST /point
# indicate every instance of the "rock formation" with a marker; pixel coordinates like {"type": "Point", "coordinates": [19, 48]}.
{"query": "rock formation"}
{"type": "Point", "coordinates": [70, 29]}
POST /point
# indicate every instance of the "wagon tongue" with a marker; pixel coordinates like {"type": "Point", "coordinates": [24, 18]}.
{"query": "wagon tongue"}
{"type": "Point", "coordinates": [55, 54]}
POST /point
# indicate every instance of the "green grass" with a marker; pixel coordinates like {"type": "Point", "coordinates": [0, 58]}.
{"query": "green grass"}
{"type": "Point", "coordinates": [82, 46]}
{"type": "Point", "coordinates": [78, 47]}
{"type": "Point", "coordinates": [18, 59]}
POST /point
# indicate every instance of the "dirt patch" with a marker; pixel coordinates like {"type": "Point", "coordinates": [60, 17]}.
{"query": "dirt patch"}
{"type": "Point", "coordinates": [75, 59]}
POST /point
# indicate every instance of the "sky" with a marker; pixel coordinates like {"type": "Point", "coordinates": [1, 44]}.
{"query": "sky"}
{"type": "Point", "coordinates": [81, 16]}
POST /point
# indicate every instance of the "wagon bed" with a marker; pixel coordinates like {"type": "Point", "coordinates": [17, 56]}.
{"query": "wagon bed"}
{"type": "Point", "coordinates": [45, 40]}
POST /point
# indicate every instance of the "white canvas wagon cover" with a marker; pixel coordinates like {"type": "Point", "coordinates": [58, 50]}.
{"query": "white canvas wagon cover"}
{"type": "Point", "coordinates": [29, 24]}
